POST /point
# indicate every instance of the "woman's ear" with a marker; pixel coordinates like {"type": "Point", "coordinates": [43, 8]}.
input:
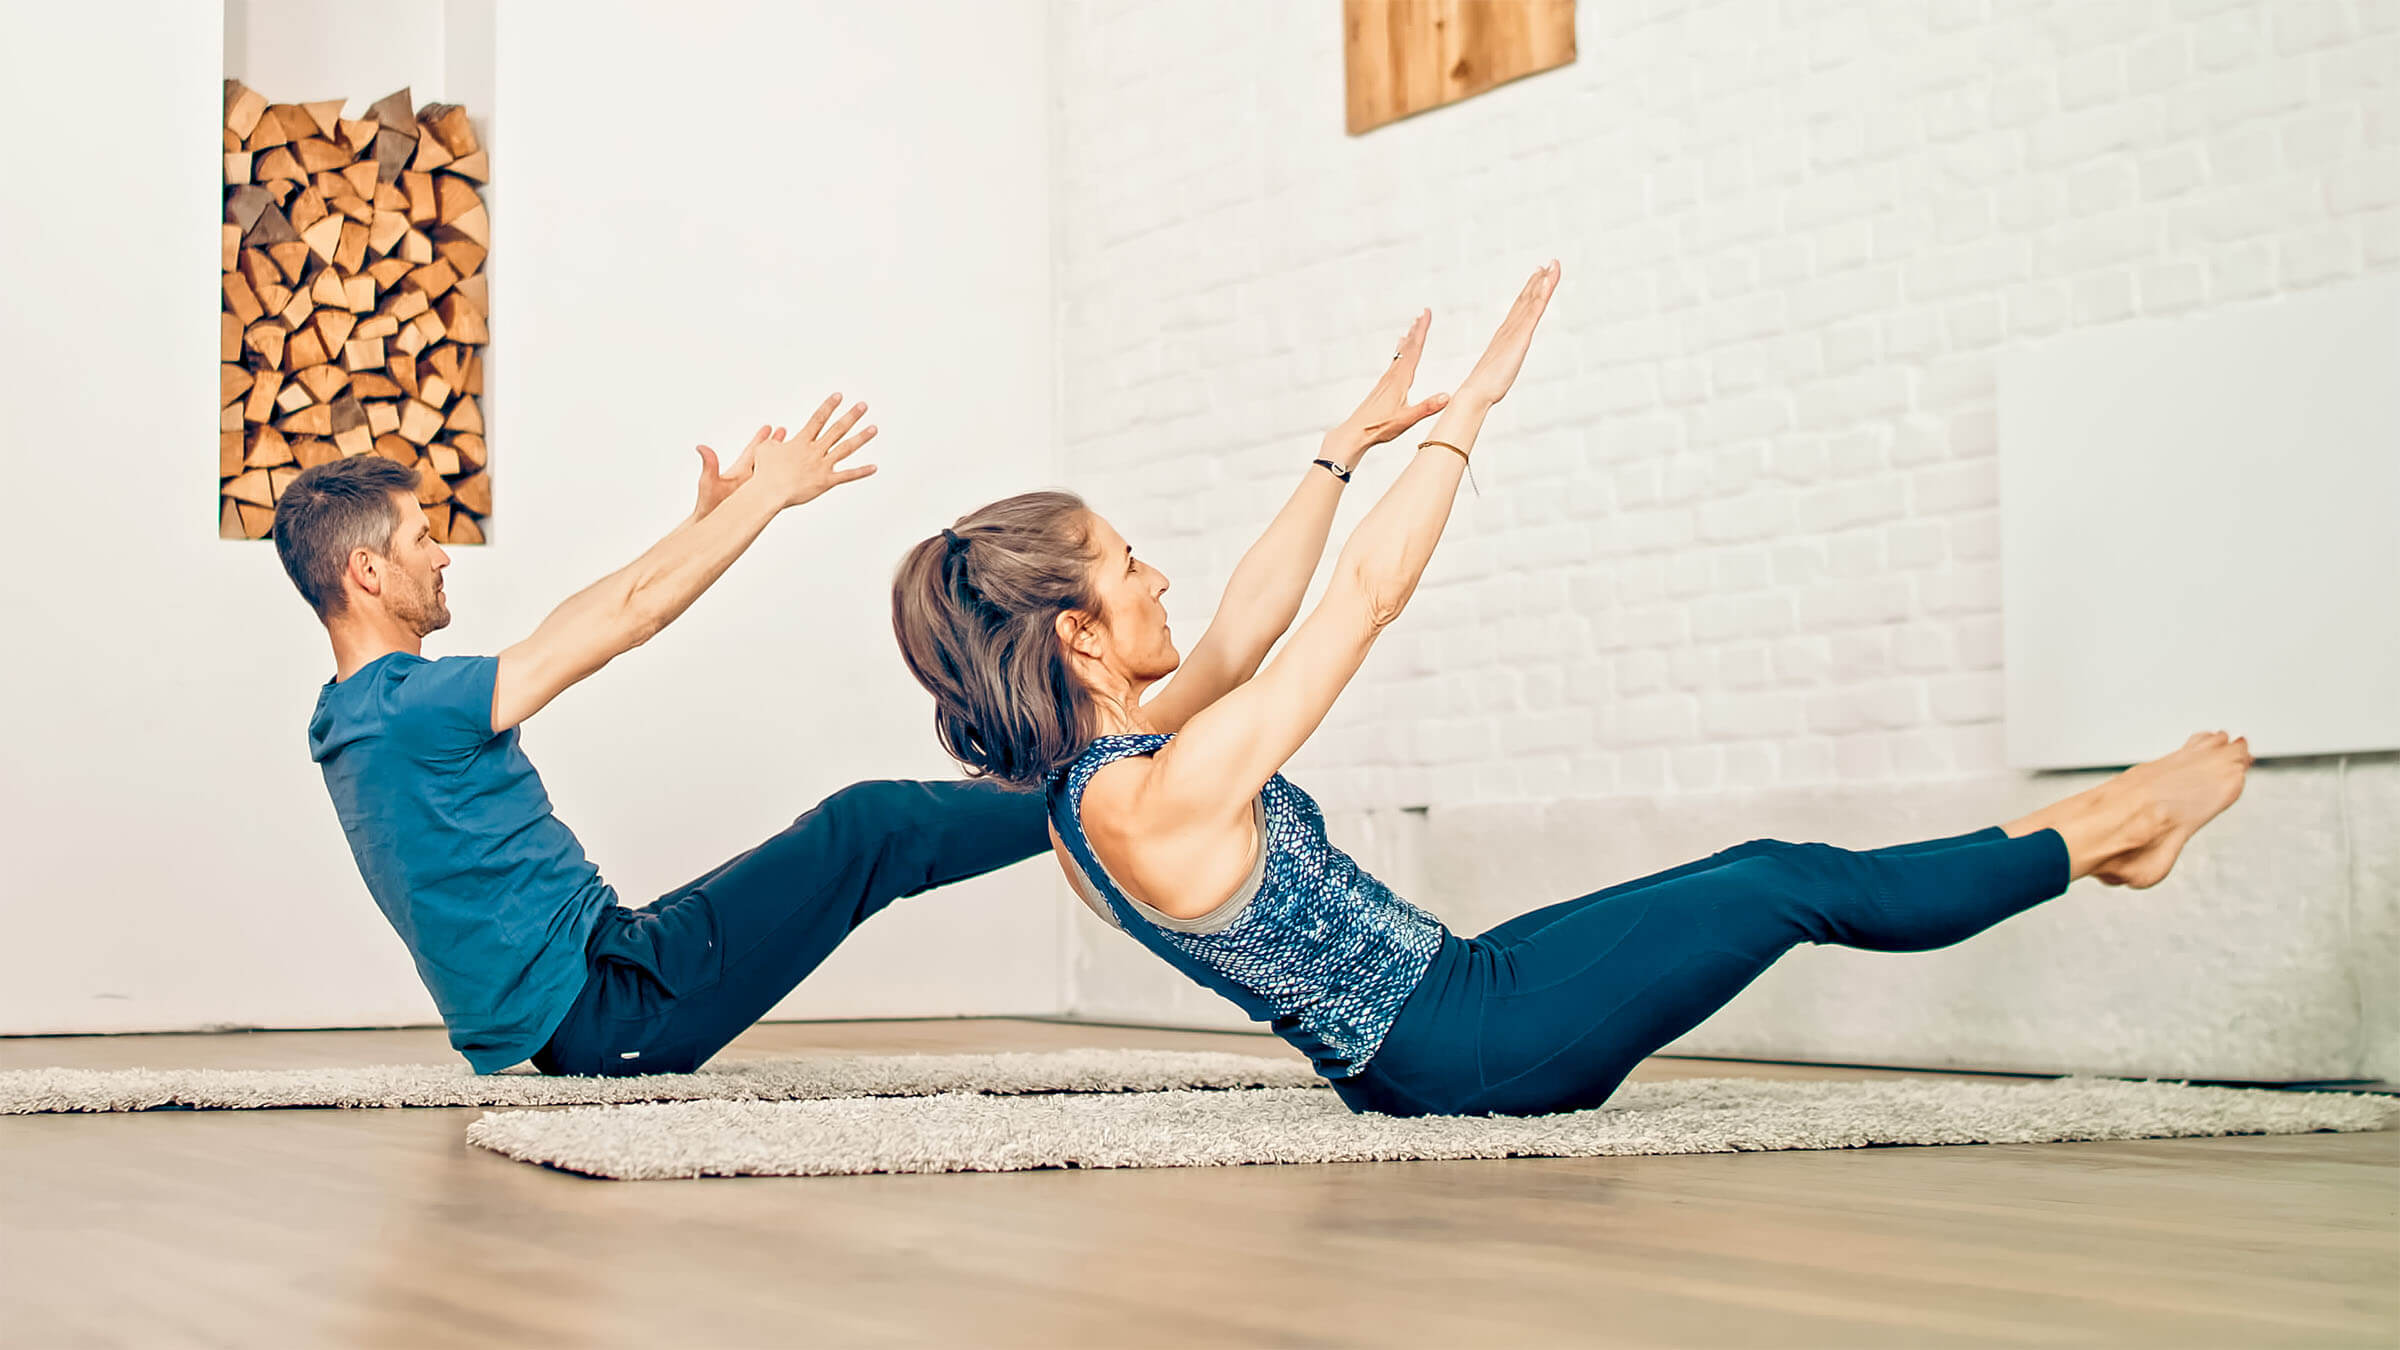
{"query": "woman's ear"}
{"type": "Point", "coordinates": [1075, 633]}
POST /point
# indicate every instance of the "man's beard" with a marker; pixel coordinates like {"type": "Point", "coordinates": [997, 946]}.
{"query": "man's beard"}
{"type": "Point", "coordinates": [428, 614]}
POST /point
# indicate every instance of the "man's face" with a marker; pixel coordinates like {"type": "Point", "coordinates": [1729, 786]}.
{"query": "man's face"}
{"type": "Point", "coordinates": [412, 583]}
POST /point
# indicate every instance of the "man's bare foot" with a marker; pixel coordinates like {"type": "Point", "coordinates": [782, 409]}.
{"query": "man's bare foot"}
{"type": "Point", "coordinates": [2170, 799]}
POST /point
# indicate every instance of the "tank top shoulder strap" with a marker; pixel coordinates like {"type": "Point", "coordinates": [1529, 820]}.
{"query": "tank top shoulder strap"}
{"type": "Point", "coordinates": [1092, 883]}
{"type": "Point", "coordinates": [1067, 792]}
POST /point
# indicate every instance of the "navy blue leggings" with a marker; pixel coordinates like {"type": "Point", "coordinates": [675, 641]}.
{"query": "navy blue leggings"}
{"type": "Point", "coordinates": [673, 981]}
{"type": "Point", "coordinates": [1550, 1011]}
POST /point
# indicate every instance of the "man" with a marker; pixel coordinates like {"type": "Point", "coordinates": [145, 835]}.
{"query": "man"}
{"type": "Point", "coordinates": [525, 949]}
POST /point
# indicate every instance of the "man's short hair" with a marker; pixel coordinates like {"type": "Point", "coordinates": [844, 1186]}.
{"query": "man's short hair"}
{"type": "Point", "coordinates": [329, 510]}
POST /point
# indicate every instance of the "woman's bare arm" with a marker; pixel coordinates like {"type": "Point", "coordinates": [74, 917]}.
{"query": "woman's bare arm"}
{"type": "Point", "coordinates": [1263, 596]}
{"type": "Point", "coordinates": [1192, 799]}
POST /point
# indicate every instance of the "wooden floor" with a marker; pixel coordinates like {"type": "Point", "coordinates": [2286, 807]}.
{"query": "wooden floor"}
{"type": "Point", "coordinates": [382, 1228]}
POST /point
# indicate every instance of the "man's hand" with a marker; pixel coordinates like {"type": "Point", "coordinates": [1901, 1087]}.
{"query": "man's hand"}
{"type": "Point", "coordinates": [1386, 412]}
{"type": "Point", "coordinates": [808, 465]}
{"type": "Point", "coordinates": [715, 487]}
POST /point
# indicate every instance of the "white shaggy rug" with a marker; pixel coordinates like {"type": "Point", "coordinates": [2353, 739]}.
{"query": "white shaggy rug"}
{"type": "Point", "coordinates": [963, 1133]}
{"type": "Point", "coordinates": [35, 1091]}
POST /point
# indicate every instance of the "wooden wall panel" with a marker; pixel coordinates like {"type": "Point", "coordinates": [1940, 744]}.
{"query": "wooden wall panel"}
{"type": "Point", "coordinates": [1405, 56]}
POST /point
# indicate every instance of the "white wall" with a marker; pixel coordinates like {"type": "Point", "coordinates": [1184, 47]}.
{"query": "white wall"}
{"type": "Point", "coordinates": [1738, 525]}
{"type": "Point", "coordinates": [301, 51]}
{"type": "Point", "coordinates": [2136, 450]}
{"type": "Point", "coordinates": [714, 216]}
{"type": "Point", "coordinates": [769, 209]}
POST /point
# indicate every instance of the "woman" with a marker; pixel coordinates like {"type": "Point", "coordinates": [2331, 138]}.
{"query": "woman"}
{"type": "Point", "coordinates": [1042, 636]}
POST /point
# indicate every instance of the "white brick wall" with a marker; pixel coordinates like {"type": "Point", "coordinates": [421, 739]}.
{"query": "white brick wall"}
{"type": "Point", "coordinates": [1737, 524]}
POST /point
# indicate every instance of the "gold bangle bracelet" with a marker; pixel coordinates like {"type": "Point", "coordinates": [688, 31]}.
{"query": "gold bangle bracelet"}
{"type": "Point", "coordinates": [1463, 458]}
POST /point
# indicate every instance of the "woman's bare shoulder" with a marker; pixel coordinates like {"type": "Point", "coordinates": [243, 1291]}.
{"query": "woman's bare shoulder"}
{"type": "Point", "coordinates": [1113, 796]}
{"type": "Point", "coordinates": [1170, 859]}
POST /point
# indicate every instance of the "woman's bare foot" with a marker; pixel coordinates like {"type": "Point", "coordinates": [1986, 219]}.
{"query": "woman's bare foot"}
{"type": "Point", "coordinates": [2184, 791]}
{"type": "Point", "coordinates": [2129, 830]}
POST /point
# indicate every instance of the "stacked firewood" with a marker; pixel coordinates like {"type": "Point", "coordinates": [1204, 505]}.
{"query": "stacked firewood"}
{"type": "Point", "coordinates": [355, 304]}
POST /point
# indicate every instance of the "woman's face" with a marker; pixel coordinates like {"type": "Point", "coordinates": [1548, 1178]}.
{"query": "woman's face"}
{"type": "Point", "coordinates": [1131, 640]}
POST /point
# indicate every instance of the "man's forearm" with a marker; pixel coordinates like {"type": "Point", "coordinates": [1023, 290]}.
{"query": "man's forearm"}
{"type": "Point", "coordinates": [629, 606]}
{"type": "Point", "coordinates": [661, 584]}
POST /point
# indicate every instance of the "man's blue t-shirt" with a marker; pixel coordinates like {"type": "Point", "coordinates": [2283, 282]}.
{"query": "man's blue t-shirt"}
{"type": "Point", "coordinates": [455, 838]}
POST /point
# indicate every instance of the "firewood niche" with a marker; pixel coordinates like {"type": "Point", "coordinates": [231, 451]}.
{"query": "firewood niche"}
{"type": "Point", "coordinates": [355, 304]}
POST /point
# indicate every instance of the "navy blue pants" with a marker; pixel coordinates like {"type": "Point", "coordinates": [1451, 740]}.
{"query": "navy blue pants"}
{"type": "Point", "coordinates": [1550, 1011]}
{"type": "Point", "coordinates": [675, 980]}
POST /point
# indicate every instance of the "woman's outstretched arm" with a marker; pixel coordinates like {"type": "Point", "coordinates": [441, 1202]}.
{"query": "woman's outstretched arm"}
{"type": "Point", "coordinates": [1228, 750]}
{"type": "Point", "coordinates": [1263, 595]}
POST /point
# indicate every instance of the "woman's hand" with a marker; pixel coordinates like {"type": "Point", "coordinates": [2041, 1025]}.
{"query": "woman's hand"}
{"type": "Point", "coordinates": [1489, 381]}
{"type": "Point", "coordinates": [807, 466]}
{"type": "Point", "coordinates": [1386, 412]}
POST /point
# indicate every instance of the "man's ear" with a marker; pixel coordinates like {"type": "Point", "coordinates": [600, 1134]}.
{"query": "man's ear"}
{"type": "Point", "coordinates": [365, 571]}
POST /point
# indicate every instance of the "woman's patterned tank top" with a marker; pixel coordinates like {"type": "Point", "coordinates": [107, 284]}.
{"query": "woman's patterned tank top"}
{"type": "Point", "coordinates": [1314, 947]}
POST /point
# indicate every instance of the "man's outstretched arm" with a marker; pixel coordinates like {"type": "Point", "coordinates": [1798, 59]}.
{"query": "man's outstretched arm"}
{"type": "Point", "coordinates": [628, 607]}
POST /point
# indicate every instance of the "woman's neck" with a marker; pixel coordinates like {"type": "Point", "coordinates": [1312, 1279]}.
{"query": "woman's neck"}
{"type": "Point", "coordinates": [1124, 715]}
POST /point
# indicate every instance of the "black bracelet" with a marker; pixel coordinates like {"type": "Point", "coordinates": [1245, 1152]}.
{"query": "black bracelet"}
{"type": "Point", "coordinates": [1330, 467]}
